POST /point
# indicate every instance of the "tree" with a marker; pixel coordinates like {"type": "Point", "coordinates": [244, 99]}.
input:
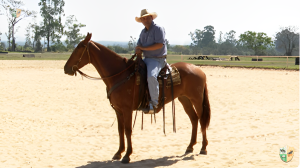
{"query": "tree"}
{"type": "Point", "coordinates": [131, 44]}
{"type": "Point", "coordinates": [230, 37]}
{"type": "Point", "coordinates": [287, 40]}
{"type": "Point", "coordinates": [228, 46]}
{"type": "Point", "coordinates": [2, 46]}
{"type": "Point", "coordinates": [8, 36]}
{"type": "Point", "coordinates": [2, 2]}
{"type": "Point", "coordinates": [11, 7]}
{"type": "Point", "coordinates": [202, 38]}
{"type": "Point", "coordinates": [38, 46]}
{"type": "Point", "coordinates": [256, 41]}
{"type": "Point", "coordinates": [196, 37]}
{"type": "Point", "coordinates": [28, 37]}
{"type": "Point", "coordinates": [51, 11]}
{"type": "Point", "coordinates": [117, 49]}
{"type": "Point", "coordinates": [73, 35]}
{"type": "Point", "coordinates": [220, 38]}
{"type": "Point", "coordinates": [168, 44]}
{"type": "Point", "coordinates": [180, 49]}
{"type": "Point", "coordinates": [208, 36]}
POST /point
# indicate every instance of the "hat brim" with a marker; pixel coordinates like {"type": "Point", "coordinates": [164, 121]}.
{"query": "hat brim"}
{"type": "Point", "coordinates": [153, 14]}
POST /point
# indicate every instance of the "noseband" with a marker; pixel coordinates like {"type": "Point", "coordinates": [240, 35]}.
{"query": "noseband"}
{"type": "Point", "coordinates": [76, 66]}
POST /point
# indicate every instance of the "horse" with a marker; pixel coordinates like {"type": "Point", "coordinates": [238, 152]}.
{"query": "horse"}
{"type": "Point", "coordinates": [113, 69]}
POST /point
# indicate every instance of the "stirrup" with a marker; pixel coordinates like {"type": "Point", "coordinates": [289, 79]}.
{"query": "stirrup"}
{"type": "Point", "coordinates": [150, 110]}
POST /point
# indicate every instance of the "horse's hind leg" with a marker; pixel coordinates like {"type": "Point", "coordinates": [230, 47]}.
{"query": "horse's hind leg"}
{"type": "Point", "coordinates": [188, 107]}
{"type": "Point", "coordinates": [203, 112]}
{"type": "Point", "coordinates": [118, 155]}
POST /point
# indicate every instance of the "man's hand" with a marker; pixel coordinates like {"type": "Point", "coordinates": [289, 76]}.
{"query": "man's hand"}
{"type": "Point", "coordinates": [138, 50]}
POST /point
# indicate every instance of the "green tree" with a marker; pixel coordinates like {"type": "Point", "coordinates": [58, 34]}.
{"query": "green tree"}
{"type": "Point", "coordinates": [73, 35]}
{"type": "Point", "coordinates": [10, 7]}
{"type": "Point", "coordinates": [117, 49]}
{"type": "Point", "coordinates": [1, 7]}
{"type": "Point", "coordinates": [287, 40]}
{"type": "Point", "coordinates": [38, 46]}
{"type": "Point", "coordinates": [208, 36]}
{"type": "Point", "coordinates": [8, 36]}
{"type": "Point", "coordinates": [230, 37]}
{"type": "Point", "coordinates": [58, 47]}
{"type": "Point", "coordinates": [36, 42]}
{"type": "Point", "coordinates": [220, 38]}
{"type": "Point", "coordinates": [196, 37]}
{"type": "Point", "coordinates": [202, 38]}
{"type": "Point", "coordinates": [168, 44]}
{"type": "Point", "coordinates": [256, 41]}
{"type": "Point", "coordinates": [51, 11]}
{"type": "Point", "coordinates": [181, 49]}
{"type": "Point", "coordinates": [131, 44]}
{"type": "Point", "coordinates": [228, 46]}
{"type": "Point", "coordinates": [2, 46]}
{"type": "Point", "coordinates": [28, 37]}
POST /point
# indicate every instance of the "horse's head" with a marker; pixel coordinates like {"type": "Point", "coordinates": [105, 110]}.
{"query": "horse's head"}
{"type": "Point", "coordinates": [79, 58]}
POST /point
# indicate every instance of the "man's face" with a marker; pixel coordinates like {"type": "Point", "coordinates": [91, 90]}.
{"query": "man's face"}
{"type": "Point", "coordinates": [147, 20]}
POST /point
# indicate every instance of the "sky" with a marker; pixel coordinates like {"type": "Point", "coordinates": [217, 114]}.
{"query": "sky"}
{"type": "Point", "coordinates": [114, 20]}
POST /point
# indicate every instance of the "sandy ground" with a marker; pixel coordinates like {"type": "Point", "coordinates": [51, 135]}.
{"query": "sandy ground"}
{"type": "Point", "coordinates": [49, 119]}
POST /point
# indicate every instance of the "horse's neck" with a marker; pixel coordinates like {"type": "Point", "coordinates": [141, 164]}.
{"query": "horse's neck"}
{"type": "Point", "coordinates": [106, 62]}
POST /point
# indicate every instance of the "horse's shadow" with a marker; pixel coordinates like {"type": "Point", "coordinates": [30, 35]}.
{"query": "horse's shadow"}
{"type": "Point", "coordinates": [149, 163]}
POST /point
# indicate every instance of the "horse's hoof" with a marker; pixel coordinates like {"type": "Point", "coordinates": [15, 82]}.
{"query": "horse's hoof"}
{"type": "Point", "coordinates": [125, 160]}
{"type": "Point", "coordinates": [203, 152]}
{"type": "Point", "coordinates": [189, 150]}
{"type": "Point", "coordinates": [117, 157]}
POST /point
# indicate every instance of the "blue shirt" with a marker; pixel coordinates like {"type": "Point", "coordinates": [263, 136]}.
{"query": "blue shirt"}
{"type": "Point", "coordinates": [155, 34]}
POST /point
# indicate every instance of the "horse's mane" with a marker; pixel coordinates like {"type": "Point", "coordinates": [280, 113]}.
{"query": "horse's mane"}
{"type": "Point", "coordinates": [110, 52]}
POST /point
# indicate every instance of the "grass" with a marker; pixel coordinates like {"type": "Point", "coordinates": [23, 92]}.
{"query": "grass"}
{"type": "Point", "coordinates": [245, 62]}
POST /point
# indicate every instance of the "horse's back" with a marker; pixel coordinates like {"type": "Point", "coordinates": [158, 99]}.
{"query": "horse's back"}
{"type": "Point", "coordinates": [191, 70]}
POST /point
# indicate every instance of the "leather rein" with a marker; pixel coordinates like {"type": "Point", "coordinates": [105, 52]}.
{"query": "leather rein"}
{"type": "Point", "coordinates": [75, 67]}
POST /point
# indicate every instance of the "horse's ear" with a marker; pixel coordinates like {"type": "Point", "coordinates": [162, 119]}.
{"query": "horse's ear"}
{"type": "Point", "coordinates": [87, 38]}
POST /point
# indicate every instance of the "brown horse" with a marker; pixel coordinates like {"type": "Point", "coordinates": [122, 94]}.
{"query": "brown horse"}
{"type": "Point", "coordinates": [192, 92]}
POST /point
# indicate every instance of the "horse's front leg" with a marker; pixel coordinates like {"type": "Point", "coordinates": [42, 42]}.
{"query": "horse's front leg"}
{"type": "Point", "coordinates": [128, 131]}
{"type": "Point", "coordinates": [118, 155]}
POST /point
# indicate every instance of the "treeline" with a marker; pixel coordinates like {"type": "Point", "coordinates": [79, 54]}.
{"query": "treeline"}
{"type": "Point", "coordinates": [286, 42]}
{"type": "Point", "coordinates": [50, 30]}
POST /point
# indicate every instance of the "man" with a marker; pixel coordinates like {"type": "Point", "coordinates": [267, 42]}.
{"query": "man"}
{"type": "Point", "coordinates": [152, 44]}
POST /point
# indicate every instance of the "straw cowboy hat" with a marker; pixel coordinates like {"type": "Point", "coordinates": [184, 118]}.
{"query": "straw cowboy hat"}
{"type": "Point", "coordinates": [144, 12]}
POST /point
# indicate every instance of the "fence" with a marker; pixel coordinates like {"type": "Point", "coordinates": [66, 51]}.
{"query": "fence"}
{"type": "Point", "coordinates": [282, 61]}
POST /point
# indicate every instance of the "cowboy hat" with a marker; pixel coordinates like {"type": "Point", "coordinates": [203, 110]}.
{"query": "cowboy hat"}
{"type": "Point", "coordinates": [144, 13]}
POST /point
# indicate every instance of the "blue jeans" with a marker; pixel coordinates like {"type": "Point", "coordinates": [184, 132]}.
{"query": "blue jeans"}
{"type": "Point", "coordinates": [154, 65]}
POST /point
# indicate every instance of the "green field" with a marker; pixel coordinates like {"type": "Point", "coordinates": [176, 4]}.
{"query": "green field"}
{"type": "Point", "coordinates": [268, 62]}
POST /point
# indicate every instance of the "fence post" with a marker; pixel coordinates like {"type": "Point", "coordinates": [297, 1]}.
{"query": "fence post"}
{"type": "Point", "coordinates": [287, 60]}
{"type": "Point", "coordinates": [256, 58]}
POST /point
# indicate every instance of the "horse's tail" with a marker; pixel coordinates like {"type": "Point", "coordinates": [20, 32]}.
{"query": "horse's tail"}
{"type": "Point", "coordinates": [205, 118]}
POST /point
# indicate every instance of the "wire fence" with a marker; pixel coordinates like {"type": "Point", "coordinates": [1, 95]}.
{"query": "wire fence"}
{"type": "Point", "coordinates": [277, 62]}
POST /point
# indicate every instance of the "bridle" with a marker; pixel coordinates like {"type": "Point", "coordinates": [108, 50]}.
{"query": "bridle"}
{"type": "Point", "coordinates": [75, 67]}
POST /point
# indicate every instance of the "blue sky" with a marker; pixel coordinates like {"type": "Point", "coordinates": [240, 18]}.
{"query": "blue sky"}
{"type": "Point", "coordinates": [114, 20]}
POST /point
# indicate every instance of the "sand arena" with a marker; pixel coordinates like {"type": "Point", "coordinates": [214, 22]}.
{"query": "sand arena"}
{"type": "Point", "coordinates": [49, 119]}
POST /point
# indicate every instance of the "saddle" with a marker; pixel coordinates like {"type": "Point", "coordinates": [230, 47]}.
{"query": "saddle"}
{"type": "Point", "coordinates": [168, 77]}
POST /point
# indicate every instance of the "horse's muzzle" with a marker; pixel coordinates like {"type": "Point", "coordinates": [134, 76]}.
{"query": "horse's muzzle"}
{"type": "Point", "coordinates": [69, 71]}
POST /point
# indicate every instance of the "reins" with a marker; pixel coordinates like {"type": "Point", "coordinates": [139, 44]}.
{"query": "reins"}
{"type": "Point", "coordinates": [75, 67]}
